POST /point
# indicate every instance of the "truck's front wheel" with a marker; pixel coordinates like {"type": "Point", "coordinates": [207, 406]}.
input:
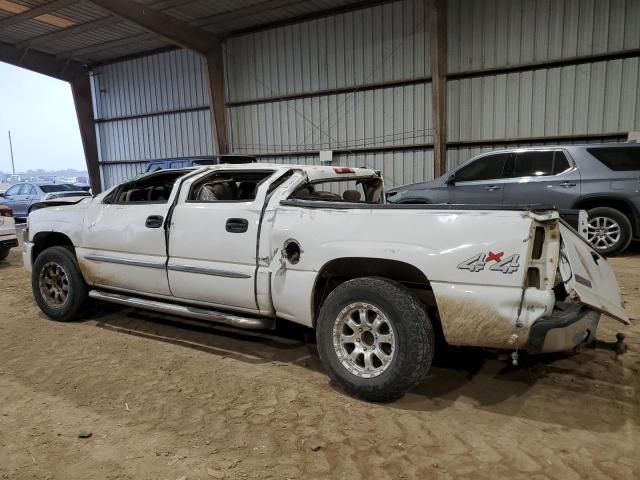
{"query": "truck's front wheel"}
{"type": "Point", "coordinates": [58, 285]}
{"type": "Point", "coordinates": [374, 338]}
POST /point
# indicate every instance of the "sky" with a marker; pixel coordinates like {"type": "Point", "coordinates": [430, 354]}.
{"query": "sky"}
{"type": "Point", "coordinates": [40, 113]}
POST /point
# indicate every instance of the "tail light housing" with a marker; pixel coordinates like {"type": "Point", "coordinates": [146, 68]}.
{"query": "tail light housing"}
{"type": "Point", "coordinates": [5, 212]}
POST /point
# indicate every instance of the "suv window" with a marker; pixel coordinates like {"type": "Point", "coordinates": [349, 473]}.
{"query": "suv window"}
{"type": "Point", "coordinates": [537, 163]}
{"type": "Point", "coordinates": [489, 167]}
{"type": "Point", "coordinates": [620, 159]}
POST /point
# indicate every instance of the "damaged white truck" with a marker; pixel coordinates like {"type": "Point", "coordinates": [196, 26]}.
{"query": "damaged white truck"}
{"type": "Point", "coordinates": [247, 245]}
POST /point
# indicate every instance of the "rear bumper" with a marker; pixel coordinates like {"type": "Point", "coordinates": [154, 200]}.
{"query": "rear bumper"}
{"type": "Point", "coordinates": [568, 326]}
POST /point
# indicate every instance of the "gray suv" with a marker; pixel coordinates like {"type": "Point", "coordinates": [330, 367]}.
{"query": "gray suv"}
{"type": "Point", "coordinates": [603, 179]}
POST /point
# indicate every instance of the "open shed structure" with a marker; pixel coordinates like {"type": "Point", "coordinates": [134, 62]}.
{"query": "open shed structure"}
{"type": "Point", "coordinates": [410, 87]}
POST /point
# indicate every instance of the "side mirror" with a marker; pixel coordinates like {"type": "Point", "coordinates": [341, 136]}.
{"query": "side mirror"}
{"type": "Point", "coordinates": [1, 194]}
{"type": "Point", "coordinates": [451, 180]}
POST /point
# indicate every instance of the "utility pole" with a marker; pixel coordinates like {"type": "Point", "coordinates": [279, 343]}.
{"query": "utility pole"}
{"type": "Point", "coordinates": [13, 165]}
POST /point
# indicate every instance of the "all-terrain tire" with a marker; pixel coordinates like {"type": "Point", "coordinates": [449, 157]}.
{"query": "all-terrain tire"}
{"type": "Point", "coordinates": [55, 272]}
{"type": "Point", "coordinates": [412, 331]}
{"type": "Point", "coordinates": [4, 253]}
{"type": "Point", "coordinates": [613, 215]}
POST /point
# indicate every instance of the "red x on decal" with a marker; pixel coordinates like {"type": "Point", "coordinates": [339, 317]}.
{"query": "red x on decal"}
{"type": "Point", "coordinates": [494, 256]}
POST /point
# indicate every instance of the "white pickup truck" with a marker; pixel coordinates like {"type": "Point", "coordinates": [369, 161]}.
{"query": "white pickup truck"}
{"type": "Point", "coordinates": [247, 245]}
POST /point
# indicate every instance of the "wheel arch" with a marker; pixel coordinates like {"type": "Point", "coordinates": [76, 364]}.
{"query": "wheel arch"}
{"type": "Point", "coordinates": [340, 270]}
{"type": "Point", "coordinates": [620, 203]}
{"type": "Point", "coordinates": [44, 240]}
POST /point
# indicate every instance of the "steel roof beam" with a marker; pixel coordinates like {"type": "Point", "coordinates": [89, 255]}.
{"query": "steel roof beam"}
{"type": "Point", "coordinates": [166, 26]}
{"type": "Point", "coordinates": [191, 38]}
{"type": "Point", "coordinates": [99, 47]}
{"type": "Point", "coordinates": [67, 32]}
{"type": "Point", "coordinates": [44, 63]}
{"type": "Point", "coordinates": [35, 12]}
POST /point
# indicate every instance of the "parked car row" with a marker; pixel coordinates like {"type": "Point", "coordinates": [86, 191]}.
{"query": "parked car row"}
{"type": "Point", "coordinates": [603, 179]}
{"type": "Point", "coordinates": [21, 197]}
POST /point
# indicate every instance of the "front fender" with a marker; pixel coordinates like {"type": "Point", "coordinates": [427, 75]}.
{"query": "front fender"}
{"type": "Point", "coordinates": [60, 218]}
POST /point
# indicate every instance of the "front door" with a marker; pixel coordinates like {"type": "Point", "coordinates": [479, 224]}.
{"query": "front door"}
{"type": "Point", "coordinates": [213, 238]}
{"type": "Point", "coordinates": [124, 245]}
{"type": "Point", "coordinates": [14, 199]}
{"type": "Point", "coordinates": [479, 182]}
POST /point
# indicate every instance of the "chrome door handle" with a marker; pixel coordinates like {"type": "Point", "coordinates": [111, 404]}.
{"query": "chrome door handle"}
{"type": "Point", "coordinates": [154, 221]}
{"type": "Point", "coordinates": [491, 188]}
{"type": "Point", "coordinates": [567, 184]}
{"type": "Point", "coordinates": [237, 225]}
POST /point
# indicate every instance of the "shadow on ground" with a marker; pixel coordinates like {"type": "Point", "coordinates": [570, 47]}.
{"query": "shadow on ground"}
{"type": "Point", "coordinates": [484, 379]}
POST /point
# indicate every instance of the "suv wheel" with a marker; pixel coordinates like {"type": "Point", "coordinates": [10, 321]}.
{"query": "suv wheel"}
{"type": "Point", "coordinates": [58, 285]}
{"type": "Point", "coordinates": [609, 230]}
{"type": "Point", "coordinates": [374, 338]}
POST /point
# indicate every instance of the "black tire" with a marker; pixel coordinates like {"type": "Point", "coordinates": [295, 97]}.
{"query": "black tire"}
{"type": "Point", "coordinates": [626, 231]}
{"type": "Point", "coordinates": [76, 296]}
{"type": "Point", "coordinates": [412, 331]}
{"type": "Point", "coordinates": [4, 253]}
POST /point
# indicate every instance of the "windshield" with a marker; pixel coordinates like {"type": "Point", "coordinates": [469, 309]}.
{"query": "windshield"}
{"type": "Point", "coordinates": [58, 187]}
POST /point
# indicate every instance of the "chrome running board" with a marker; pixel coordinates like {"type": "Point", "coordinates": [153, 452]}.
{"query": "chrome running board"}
{"type": "Point", "coordinates": [248, 323]}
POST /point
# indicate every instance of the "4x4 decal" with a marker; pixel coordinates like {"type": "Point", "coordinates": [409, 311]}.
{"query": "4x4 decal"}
{"type": "Point", "coordinates": [479, 261]}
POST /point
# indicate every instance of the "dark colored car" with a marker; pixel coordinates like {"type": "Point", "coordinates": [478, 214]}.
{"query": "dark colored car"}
{"type": "Point", "coordinates": [195, 161]}
{"type": "Point", "coordinates": [603, 179]}
{"type": "Point", "coordinates": [22, 196]}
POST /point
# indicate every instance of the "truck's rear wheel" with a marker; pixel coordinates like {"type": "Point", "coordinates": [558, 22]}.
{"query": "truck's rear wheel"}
{"type": "Point", "coordinates": [58, 285]}
{"type": "Point", "coordinates": [4, 253]}
{"type": "Point", "coordinates": [374, 338]}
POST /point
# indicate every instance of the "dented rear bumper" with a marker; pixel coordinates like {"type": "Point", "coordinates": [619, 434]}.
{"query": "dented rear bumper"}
{"type": "Point", "coordinates": [568, 326]}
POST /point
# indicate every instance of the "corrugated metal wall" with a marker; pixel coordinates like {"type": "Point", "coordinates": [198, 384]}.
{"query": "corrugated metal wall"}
{"type": "Point", "coordinates": [386, 43]}
{"type": "Point", "coordinates": [582, 99]}
{"type": "Point", "coordinates": [131, 101]}
{"type": "Point", "coordinates": [360, 81]}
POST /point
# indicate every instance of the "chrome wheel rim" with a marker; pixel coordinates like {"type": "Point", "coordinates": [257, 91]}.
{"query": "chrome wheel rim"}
{"type": "Point", "coordinates": [603, 232]}
{"type": "Point", "coordinates": [364, 339]}
{"type": "Point", "coordinates": [54, 285]}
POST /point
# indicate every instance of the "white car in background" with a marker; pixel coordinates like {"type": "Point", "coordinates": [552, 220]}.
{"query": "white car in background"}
{"type": "Point", "coordinates": [8, 238]}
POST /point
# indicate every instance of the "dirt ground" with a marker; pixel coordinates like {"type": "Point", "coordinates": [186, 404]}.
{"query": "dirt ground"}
{"type": "Point", "coordinates": [166, 400]}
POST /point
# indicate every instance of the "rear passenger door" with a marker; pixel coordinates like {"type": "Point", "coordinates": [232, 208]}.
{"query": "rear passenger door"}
{"type": "Point", "coordinates": [480, 181]}
{"type": "Point", "coordinates": [30, 195]}
{"type": "Point", "coordinates": [546, 177]}
{"type": "Point", "coordinates": [213, 238]}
